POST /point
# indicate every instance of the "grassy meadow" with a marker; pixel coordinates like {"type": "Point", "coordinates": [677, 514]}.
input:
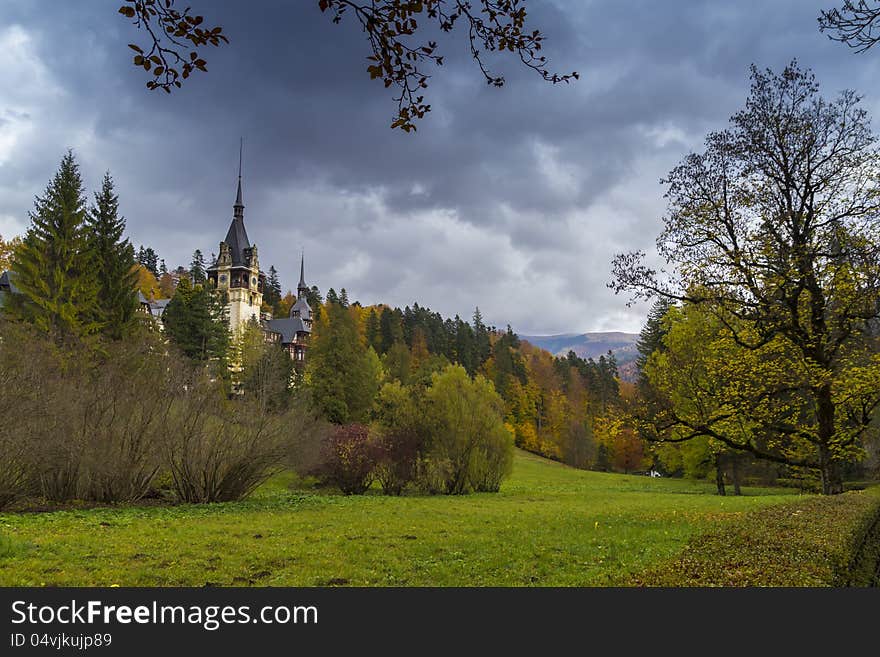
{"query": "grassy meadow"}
{"type": "Point", "coordinates": [550, 525]}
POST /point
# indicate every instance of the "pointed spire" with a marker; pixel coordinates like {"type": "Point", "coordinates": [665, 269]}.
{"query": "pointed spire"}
{"type": "Point", "coordinates": [302, 273]}
{"type": "Point", "coordinates": [239, 206]}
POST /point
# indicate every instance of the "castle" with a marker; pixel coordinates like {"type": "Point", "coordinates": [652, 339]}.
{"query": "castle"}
{"type": "Point", "coordinates": [236, 273]}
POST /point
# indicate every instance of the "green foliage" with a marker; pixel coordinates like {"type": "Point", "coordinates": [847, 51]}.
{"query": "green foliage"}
{"type": "Point", "coordinates": [713, 388]}
{"type": "Point", "coordinates": [343, 374]}
{"type": "Point", "coordinates": [148, 258]}
{"type": "Point", "coordinates": [272, 293]}
{"type": "Point", "coordinates": [651, 340]}
{"type": "Point", "coordinates": [195, 321]}
{"type": "Point", "coordinates": [397, 362]}
{"type": "Point", "coordinates": [469, 447]}
{"type": "Point", "coordinates": [113, 263]}
{"type": "Point", "coordinates": [54, 266]}
{"type": "Point", "coordinates": [197, 268]}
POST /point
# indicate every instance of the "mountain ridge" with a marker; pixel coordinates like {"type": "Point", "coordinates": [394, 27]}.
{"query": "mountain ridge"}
{"type": "Point", "coordinates": [592, 345]}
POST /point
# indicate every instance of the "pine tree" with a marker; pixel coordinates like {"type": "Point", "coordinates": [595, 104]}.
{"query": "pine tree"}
{"type": "Point", "coordinates": [482, 342]}
{"type": "Point", "coordinates": [114, 264]}
{"type": "Point", "coordinates": [197, 268]}
{"type": "Point", "coordinates": [55, 271]}
{"type": "Point", "coordinates": [371, 330]}
{"type": "Point", "coordinates": [313, 296]}
{"type": "Point", "coordinates": [343, 372]}
{"type": "Point", "coordinates": [332, 297]}
{"type": "Point", "coordinates": [272, 295]}
{"type": "Point", "coordinates": [651, 337]}
{"type": "Point", "coordinates": [343, 298]}
{"type": "Point", "coordinates": [390, 328]}
{"type": "Point", "coordinates": [194, 321]}
{"type": "Point", "coordinates": [148, 258]}
{"type": "Point", "coordinates": [163, 269]}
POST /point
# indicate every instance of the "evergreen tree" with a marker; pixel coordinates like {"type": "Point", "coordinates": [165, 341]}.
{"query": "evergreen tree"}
{"type": "Point", "coordinates": [114, 264]}
{"type": "Point", "coordinates": [390, 328]}
{"type": "Point", "coordinates": [162, 268]}
{"type": "Point", "coordinates": [148, 258]}
{"type": "Point", "coordinates": [313, 296]}
{"type": "Point", "coordinates": [343, 372]}
{"type": "Point", "coordinates": [651, 337]}
{"type": "Point", "coordinates": [195, 321]}
{"type": "Point", "coordinates": [482, 343]}
{"type": "Point", "coordinates": [197, 268]}
{"type": "Point", "coordinates": [55, 270]}
{"type": "Point", "coordinates": [371, 329]}
{"type": "Point", "coordinates": [272, 294]}
{"type": "Point", "coordinates": [332, 297]}
{"type": "Point", "coordinates": [343, 298]}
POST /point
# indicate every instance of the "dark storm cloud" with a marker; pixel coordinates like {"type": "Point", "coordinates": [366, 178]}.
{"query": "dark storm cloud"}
{"type": "Point", "coordinates": [512, 199]}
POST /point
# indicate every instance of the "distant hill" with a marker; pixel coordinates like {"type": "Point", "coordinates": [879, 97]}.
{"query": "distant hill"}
{"type": "Point", "coordinates": [593, 345]}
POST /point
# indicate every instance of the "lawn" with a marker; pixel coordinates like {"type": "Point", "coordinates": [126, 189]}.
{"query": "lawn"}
{"type": "Point", "coordinates": [549, 526]}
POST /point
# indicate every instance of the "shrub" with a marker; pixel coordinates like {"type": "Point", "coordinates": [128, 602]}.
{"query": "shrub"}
{"type": "Point", "coordinates": [349, 459]}
{"type": "Point", "coordinates": [40, 412]}
{"type": "Point", "coordinates": [397, 456]}
{"type": "Point", "coordinates": [217, 450]}
{"type": "Point", "coordinates": [124, 413]}
{"type": "Point", "coordinates": [399, 438]}
{"type": "Point", "coordinates": [466, 433]}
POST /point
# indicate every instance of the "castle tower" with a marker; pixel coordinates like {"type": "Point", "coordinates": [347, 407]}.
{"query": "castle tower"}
{"type": "Point", "coordinates": [236, 272]}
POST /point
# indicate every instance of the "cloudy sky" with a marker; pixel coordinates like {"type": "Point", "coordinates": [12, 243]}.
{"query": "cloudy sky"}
{"type": "Point", "coordinates": [511, 199]}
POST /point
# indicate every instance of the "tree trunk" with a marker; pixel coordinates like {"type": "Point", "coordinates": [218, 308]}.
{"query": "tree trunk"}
{"type": "Point", "coordinates": [832, 479]}
{"type": "Point", "coordinates": [719, 476]}
{"type": "Point", "coordinates": [734, 466]}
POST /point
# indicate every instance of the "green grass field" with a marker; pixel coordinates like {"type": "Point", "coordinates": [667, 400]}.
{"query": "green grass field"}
{"type": "Point", "coordinates": [549, 525]}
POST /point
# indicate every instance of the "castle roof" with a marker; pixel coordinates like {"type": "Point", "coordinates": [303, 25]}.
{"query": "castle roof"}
{"type": "Point", "coordinates": [237, 239]}
{"type": "Point", "coordinates": [288, 327]}
{"type": "Point", "coordinates": [301, 308]}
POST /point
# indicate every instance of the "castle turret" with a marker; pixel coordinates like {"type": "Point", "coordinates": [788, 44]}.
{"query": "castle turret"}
{"type": "Point", "coordinates": [236, 272]}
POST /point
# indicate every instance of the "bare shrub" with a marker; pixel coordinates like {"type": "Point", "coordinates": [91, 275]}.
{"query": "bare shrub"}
{"type": "Point", "coordinates": [23, 371]}
{"type": "Point", "coordinates": [124, 414]}
{"type": "Point", "coordinates": [217, 450]}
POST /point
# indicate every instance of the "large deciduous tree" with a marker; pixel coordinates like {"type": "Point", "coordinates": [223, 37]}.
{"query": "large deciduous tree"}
{"type": "Point", "coordinates": [774, 231]}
